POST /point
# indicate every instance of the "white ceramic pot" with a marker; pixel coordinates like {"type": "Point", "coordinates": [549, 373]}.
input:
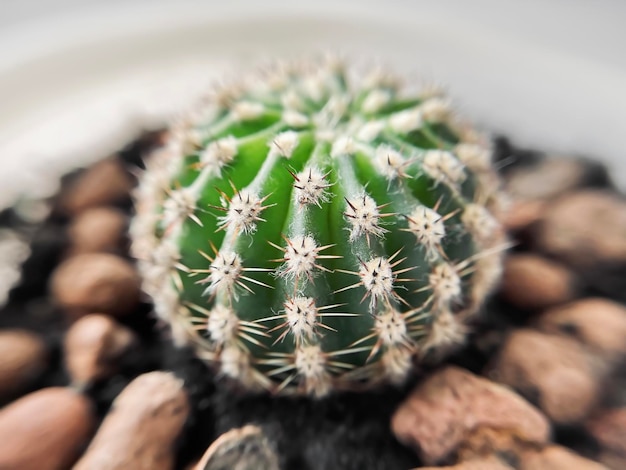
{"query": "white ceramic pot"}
{"type": "Point", "coordinates": [78, 78]}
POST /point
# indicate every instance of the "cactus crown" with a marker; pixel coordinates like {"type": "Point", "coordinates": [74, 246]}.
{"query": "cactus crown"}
{"type": "Point", "coordinates": [307, 232]}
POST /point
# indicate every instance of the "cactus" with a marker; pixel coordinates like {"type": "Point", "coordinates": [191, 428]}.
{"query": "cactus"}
{"type": "Point", "coordinates": [308, 231]}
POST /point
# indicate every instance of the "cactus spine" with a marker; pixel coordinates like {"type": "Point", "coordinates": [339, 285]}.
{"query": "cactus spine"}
{"type": "Point", "coordinates": [308, 232]}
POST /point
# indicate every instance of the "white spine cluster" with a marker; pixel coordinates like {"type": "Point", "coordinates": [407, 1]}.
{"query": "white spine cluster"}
{"type": "Point", "coordinates": [428, 227]}
{"type": "Point", "coordinates": [473, 156]}
{"type": "Point", "coordinates": [390, 162]}
{"type": "Point", "coordinates": [370, 130]}
{"type": "Point", "coordinates": [301, 316]}
{"type": "Point", "coordinates": [218, 154]}
{"type": "Point", "coordinates": [315, 86]}
{"type": "Point", "coordinates": [225, 274]}
{"type": "Point", "coordinates": [284, 144]}
{"type": "Point", "coordinates": [445, 333]}
{"type": "Point", "coordinates": [391, 328]}
{"type": "Point", "coordinates": [406, 121]}
{"type": "Point", "coordinates": [292, 101]}
{"type": "Point", "coordinates": [445, 284]}
{"type": "Point", "coordinates": [436, 110]}
{"type": "Point", "coordinates": [377, 277]}
{"type": "Point", "coordinates": [343, 146]}
{"type": "Point", "coordinates": [235, 363]}
{"type": "Point", "coordinates": [244, 211]}
{"type": "Point", "coordinates": [222, 324]}
{"type": "Point", "coordinates": [180, 205]}
{"type": "Point", "coordinates": [301, 257]}
{"type": "Point", "coordinates": [295, 119]}
{"type": "Point", "coordinates": [310, 362]}
{"type": "Point", "coordinates": [397, 362]}
{"type": "Point", "coordinates": [380, 77]}
{"type": "Point", "coordinates": [311, 187]}
{"type": "Point", "coordinates": [364, 217]}
{"type": "Point", "coordinates": [247, 110]}
{"type": "Point", "coordinates": [480, 223]}
{"type": "Point", "coordinates": [375, 101]}
{"type": "Point", "coordinates": [443, 167]}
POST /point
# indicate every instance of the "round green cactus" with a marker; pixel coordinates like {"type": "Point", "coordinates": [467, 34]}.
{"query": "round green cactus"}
{"type": "Point", "coordinates": [308, 231]}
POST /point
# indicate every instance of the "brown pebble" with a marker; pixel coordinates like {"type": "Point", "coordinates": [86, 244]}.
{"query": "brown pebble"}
{"type": "Point", "coordinates": [92, 346]}
{"type": "Point", "coordinates": [104, 183]}
{"type": "Point", "coordinates": [24, 357]}
{"type": "Point", "coordinates": [522, 215]}
{"type": "Point", "coordinates": [585, 228]}
{"type": "Point", "coordinates": [532, 282]}
{"type": "Point", "coordinates": [100, 229]}
{"type": "Point", "coordinates": [245, 448]}
{"type": "Point", "coordinates": [45, 430]}
{"type": "Point", "coordinates": [557, 458]}
{"type": "Point", "coordinates": [486, 441]}
{"type": "Point", "coordinates": [446, 408]}
{"type": "Point", "coordinates": [96, 283]}
{"type": "Point", "coordinates": [552, 371]}
{"type": "Point", "coordinates": [141, 429]}
{"type": "Point", "coordinates": [609, 429]}
{"type": "Point", "coordinates": [482, 463]}
{"type": "Point", "coordinates": [597, 323]}
{"type": "Point", "coordinates": [545, 180]}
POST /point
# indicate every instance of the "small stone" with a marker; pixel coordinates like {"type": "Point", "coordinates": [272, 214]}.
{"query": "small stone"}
{"type": "Point", "coordinates": [245, 448]}
{"type": "Point", "coordinates": [483, 463]}
{"type": "Point", "coordinates": [608, 428]}
{"type": "Point", "coordinates": [100, 229]}
{"type": "Point", "coordinates": [488, 441]}
{"type": "Point", "coordinates": [92, 345]}
{"type": "Point", "coordinates": [531, 282]}
{"type": "Point", "coordinates": [522, 215]}
{"type": "Point", "coordinates": [96, 283]}
{"type": "Point", "coordinates": [445, 409]}
{"type": "Point", "coordinates": [24, 358]}
{"type": "Point", "coordinates": [141, 429]}
{"type": "Point", "coordinates": [552, 371]}
{"type": "Point", "coordinates": [557, 458]}
{"type": "Point", "coordinates": [104, 183]}
{"type": "Point", "coordinates": [545, 180]}
{"type": "Point", "coordinates": [585, 228]}
{"type": "Point", "coordinates": [45, 430]}
{"type": "Point", "coordinates": [598, 324]}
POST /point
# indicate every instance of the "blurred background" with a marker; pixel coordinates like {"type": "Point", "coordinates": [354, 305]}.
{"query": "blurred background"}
{"type": "Point", "coordinates": [80, 77]}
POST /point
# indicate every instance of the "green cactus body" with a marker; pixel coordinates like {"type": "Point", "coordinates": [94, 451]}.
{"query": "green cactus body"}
{"type": "Point", "coordinates": [306, 234]}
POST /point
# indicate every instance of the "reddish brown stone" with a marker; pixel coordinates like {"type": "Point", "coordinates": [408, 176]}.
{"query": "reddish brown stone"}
{"type": "Point", "coordinates": [480, 463]}
{"type": "Point", "coordinates": [486, 441]}
{"type": "Point", "coordinates": [585, 228]}
{"type": "Point", "coordinates": [557, 458]}
{"type": "Point", "coordinates": [100, 229]}
{"type": "Point", "coordinates": [24, 356]}
{"type": "Point", "coordinates": [45, 430]}
{"type": "Point", "coordinates": [141, 428]}
{"type": "Point", "coordinates": [545, 180]}
{"type": "Point", "coordinates": [444, 410]}
{"type": "Point", "coordinates": [533, 282]}
{"type": "Point", "coordinates": [92, 345]}
{"type": "Point", "coordinates": [553, 371]}
{"type": "Point", "coordinates": [522, 215]}
{"type": "Point", "coordinates": [96, 283]}
{"type": "Point", "coordinates": [104, 183]}
{"type": "Point", "coordinates": [245, 448]}
{"type": "Point", "coordinates": [597, 323]}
